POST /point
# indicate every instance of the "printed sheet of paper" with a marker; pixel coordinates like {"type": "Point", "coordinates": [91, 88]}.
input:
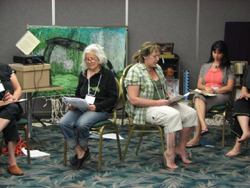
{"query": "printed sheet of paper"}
{"type": "Point", "coordinates": [22, 100]}
{"type": "Point", "coordinates": [202, 93]}
{"type": "Point", "coordinates": [77, 102]}
{"type": "Point", "coordinates": [35, 153]}
{"type": "Point", "coordinates": [178, 97]}
{"type": "Point", "coordinates": [27, 43]}
{"type": "Point", "coordinates": [110, 136]}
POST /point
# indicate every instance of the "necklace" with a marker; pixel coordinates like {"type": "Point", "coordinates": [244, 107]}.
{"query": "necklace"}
{"type": "Point", "coordinates": [216, 66]}
{"type": "Point", "coordinates": [148, 68]}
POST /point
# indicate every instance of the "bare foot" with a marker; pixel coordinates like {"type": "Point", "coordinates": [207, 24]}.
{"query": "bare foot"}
{"type": "Point", "coordinates": [245, 136]}
{"type": "Point", "coordinates": [170, 158]}
{"type": "Point", "coordinates": [183, 155]}
{"type": "Point", "coordinates": [233, 153]}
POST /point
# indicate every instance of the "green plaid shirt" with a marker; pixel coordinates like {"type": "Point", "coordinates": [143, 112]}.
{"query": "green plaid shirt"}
{"type": "Point", "coordinates": [138, 75]}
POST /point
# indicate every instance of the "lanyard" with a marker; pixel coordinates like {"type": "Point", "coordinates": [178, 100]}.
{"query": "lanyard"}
{"type": "Point", "coordinates": [96, 87]}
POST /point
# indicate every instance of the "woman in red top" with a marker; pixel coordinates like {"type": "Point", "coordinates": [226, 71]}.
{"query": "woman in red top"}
{"type": "Point", "coordinates": [216, 76]}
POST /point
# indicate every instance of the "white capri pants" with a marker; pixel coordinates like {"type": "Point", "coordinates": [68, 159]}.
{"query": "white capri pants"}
{"type": "Point", "coordinates": [173, 118]}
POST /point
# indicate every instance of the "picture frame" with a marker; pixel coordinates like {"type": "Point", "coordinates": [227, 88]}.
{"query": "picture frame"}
{"type": "Point", "coordinates": [166, 48]}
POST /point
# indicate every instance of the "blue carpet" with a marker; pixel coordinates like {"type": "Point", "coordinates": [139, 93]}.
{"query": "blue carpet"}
{"type": "Point", "coordinates": [210, 167]}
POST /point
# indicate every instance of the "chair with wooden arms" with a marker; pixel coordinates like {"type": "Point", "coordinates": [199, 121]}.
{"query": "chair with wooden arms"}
{"type": "Point", "coordinates": [103, 127]}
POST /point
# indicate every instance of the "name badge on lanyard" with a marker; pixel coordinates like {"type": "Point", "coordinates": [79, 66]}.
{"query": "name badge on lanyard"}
{"type": "Point", "coordinates": [90, 99]}
{"type": "Point", "coordinates": [1, 86]}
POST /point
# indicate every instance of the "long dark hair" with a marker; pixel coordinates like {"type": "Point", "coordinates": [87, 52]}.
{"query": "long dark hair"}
{"type": "Point", "coordinates": [146, 49]}
{"type": "Point", "coordinates": [221, 46]}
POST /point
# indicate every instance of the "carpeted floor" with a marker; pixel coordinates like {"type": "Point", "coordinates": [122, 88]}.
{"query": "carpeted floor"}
{"type": "Point", "coordinates": [210, 167]}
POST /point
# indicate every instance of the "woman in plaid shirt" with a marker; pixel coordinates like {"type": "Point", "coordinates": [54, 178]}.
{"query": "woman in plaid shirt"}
{"type": "Point", "coordinates": [148, 102]}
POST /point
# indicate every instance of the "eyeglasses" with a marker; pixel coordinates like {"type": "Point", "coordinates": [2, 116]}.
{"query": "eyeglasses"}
{"type": "Point", "coordinates": [155, 56]}
{"type": "Point", "coordinates": [91, 59]}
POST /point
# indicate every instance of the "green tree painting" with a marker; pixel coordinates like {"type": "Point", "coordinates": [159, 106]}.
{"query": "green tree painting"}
{"type": "Point", "coordinates": [62, 47]}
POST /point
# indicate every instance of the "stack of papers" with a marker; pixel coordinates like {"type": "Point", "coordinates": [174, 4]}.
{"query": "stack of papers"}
{"type": "Point", "coordinates": [77, 102]}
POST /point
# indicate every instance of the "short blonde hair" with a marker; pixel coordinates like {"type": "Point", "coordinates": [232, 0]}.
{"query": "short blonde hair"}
{"type": "Point", "coordinates": [98, 51]}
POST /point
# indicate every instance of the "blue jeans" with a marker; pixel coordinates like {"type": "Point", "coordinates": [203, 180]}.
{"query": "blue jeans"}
{"type": "Point", "coordinates": [75, 125]}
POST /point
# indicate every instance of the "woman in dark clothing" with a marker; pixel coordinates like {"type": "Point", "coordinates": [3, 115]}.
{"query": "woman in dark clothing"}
{"type": "Point", "coordinates": [96, 85]}
{"type": "Point", "coordinates": [10, 112]}
{"type": "Point", "coordinates": [242, 115]}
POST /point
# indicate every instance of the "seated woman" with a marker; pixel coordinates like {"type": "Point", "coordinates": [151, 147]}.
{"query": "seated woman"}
{"type": "Point", "coordinates": [148, 102]}
{"type": "Point", "coordinates": [216, 76]}
{"type": "Point", "coordinates": [97, 85]}
{"type": "Point", "coordinates": [10, 112]}
{"type": "Point", "coordinates": [241, 115]}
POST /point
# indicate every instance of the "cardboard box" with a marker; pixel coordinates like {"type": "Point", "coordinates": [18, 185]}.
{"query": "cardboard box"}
{"type": "Point", "coordinates": [32, 76]}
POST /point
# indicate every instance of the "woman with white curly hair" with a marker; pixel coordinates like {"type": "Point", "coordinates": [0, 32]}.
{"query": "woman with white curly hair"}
{"type": "Point", "coordinates": [96, 85]}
